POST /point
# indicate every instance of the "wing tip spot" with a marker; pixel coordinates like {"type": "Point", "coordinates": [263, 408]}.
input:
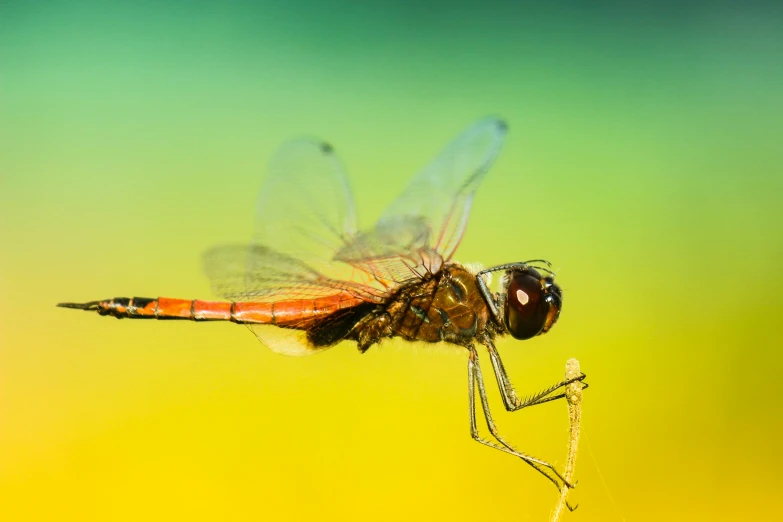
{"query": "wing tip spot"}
{"type": "Point", "coordinates": [326, 148]}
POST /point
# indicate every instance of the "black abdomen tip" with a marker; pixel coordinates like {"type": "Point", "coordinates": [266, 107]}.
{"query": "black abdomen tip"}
{"type": "Point", "coordinates": [91, 305]}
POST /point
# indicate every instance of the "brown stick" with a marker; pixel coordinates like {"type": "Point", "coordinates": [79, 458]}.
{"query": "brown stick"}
{"type": "Point", "coordinates": [574, 398]}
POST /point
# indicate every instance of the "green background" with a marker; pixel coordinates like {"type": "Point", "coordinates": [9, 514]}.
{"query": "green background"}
{"type": "Point", "coordinates": [643, 159]}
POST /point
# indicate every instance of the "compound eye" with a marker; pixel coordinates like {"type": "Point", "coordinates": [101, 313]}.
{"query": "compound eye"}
{"type": "Point", "coordinates": [526, 308]}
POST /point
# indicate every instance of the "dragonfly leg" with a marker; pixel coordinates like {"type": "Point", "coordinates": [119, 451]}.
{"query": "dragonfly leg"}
{"type": "Point", "coordinates": [510, 399]}
{"type": "Point", "coordinates": [475, 380]}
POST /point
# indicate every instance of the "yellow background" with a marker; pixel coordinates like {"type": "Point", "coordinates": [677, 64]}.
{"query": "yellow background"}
{"type": "Point", "coordinates": [644, 160]}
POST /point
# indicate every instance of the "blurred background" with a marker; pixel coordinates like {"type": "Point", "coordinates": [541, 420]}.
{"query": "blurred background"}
{"type": "Point", "coordinates": [643, 159]}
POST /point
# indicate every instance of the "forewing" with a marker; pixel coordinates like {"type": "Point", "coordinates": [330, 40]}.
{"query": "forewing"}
{"type": "Point", "coordinates": [306, 244]}
{"type": "Point", "coordinates": [423, 227]}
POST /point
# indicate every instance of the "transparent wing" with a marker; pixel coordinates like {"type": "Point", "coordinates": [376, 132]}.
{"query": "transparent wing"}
{"type": "Point", "coordinates": [423, 227]}
{"type": "Point", "coordinates": [305, 208]}
{"type": "Point", "coordinates": [304, 215]}
{"type": "Point", "coordinates": [441, 195]}
{"type": "Point", "coordinates": [306, 243]}
{"type": "Point", "coordinates": [260, 274]}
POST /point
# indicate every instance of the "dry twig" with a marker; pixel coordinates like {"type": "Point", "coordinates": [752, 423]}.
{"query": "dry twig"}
{"type": "Point", "coordinates": [574, 398]}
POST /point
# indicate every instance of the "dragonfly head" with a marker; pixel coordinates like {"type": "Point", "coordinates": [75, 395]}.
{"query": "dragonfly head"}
{"type": "Point", "coordinates": [532, 302]}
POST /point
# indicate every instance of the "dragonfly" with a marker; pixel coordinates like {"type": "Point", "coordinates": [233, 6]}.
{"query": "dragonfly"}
{"type": "Point", "coordinates": [310, 278]}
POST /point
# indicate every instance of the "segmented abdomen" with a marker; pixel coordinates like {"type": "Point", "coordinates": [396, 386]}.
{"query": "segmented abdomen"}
{"type": "Point", "coordinates": [299, 313]}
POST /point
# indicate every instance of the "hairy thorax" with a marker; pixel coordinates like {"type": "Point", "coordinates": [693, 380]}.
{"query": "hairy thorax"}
{"type": "Point", "coordinates": [448, 307]}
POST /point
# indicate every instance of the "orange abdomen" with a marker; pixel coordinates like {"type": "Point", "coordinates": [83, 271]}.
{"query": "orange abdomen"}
{"type": "Point", "coordinates": [297, 313]}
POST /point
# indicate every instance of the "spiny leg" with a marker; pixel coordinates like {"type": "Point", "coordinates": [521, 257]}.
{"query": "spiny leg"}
{"type": "Point", "coordinates": [510, 399]}
{"type": "Point", "coordinates": [475, 379]}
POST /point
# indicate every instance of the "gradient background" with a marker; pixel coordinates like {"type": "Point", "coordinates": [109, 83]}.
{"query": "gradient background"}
{"type": "Point", "coordinates": [644, 159]}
